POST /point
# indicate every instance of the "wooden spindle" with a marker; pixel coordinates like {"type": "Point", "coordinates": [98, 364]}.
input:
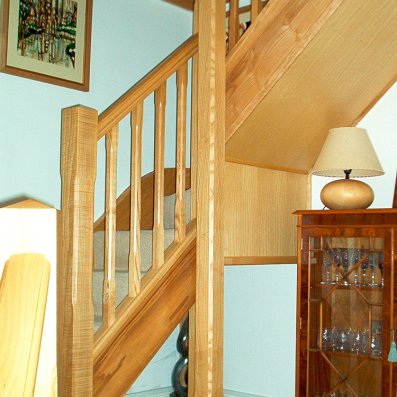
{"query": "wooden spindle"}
{"type": "Point", "coordinates": [256, 8]}
{"type": "Point", "coordinates": [109, 279]}
{"type": "Point", "coordinates": [180, 201]}
{"type": "Point", "coordinates": [134, 260]}
{"type": "Point", "coordinates": [234, 23]}
{"type": "Point", "coordinates": [158, 216]}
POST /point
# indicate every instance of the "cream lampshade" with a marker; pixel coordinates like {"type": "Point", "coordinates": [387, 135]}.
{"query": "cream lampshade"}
{"type": "Point", "coordinates": [347, 152]}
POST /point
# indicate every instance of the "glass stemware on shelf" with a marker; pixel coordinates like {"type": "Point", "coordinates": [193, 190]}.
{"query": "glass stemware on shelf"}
{"type": "Point", "coordinates": [354, 341]}
{"type": "Point", "coordinates": [369, 273]}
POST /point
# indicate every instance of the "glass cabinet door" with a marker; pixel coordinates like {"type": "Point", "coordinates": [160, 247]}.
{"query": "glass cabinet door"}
{"type": "Point", "coordinates": [346, 316]}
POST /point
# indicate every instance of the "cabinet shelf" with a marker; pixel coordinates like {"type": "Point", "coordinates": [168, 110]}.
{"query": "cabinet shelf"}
{"type": "Point", "coordinates": [346, 354]}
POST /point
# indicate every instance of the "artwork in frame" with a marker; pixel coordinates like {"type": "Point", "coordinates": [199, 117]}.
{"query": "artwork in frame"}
{"type": "Point", "coordinates": [47, 40]}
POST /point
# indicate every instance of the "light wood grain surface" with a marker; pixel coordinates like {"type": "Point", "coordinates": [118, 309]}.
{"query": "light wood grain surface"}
{"type": "Point", "coordinates": [75, 311]}
{"type": "Point", "coordinates": [210, 175]}
{"type": "Point", "coordinates": [180, 200]}
{"type": "Point", "coordinates": [258, 211]}
{"type": "Point", "coordinates": [134, 260]}
{"type": "Point", "coordinates": [30, 226]}
{"type": "Point", "coordinates": [109, 278]}
{"type": "Point", "coordinates": [23, 296]}
{"type": "Point", "coordinates": [158, 207]}
{"type": "Point", "coordinates": [335, 81]}
{"type": "Point", "coordinates": [266, 51]}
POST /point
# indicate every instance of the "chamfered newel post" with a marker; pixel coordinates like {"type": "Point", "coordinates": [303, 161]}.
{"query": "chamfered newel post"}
{"type": "Point", "coordinates": [75, 310]}
{"type": "Point", "coordinates": [210, 174]}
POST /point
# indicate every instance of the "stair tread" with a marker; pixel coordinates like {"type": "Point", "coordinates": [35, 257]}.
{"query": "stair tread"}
{"type": "Point", "coordinates": [122, 248]}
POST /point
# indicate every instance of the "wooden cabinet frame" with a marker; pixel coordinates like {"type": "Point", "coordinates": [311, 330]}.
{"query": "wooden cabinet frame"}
{"type": "Point", "coordinates": [346, 225]}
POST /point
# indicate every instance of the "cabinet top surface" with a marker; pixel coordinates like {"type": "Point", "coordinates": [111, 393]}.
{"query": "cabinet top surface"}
{"type": "Point", "coordinates": [347, 212]}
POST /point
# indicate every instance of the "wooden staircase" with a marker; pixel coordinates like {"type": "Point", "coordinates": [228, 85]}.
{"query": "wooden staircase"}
{"type": "Point", "coordinates": [272, 100]}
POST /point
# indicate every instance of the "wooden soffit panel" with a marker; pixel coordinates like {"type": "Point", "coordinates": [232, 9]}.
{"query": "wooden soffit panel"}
{"type": "Point", "coordinates": [258, 212]}
{"type": "Point", "coordinates": [334, 82]}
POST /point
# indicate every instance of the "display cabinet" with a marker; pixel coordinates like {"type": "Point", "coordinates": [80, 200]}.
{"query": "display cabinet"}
{"type": "Point", "coordinates": [346, 303]}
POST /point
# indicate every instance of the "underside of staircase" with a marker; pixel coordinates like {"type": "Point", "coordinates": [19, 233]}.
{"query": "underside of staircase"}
{"type": "Point", "coordinates": [303, 68]}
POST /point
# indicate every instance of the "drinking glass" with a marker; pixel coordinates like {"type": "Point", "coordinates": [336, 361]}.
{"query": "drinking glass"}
{"type": "Point", "coordinates": [357, 342]}
{"type": "Point", "coordinates": [364, 267]}
{"type": "Point", "coordinates": [373, 264]}
{"type": "Point", "coordinates": [342, 341]}
{"type": "Point", "coordinates": [356, 258]}
{"type": "Point", "coordinates": [381, 268]}
{"type": "Point", "coordinates": [328, 268]}
{"type": "Point", "coordinates": [364, 342]}
{"type": "Point", "coordinates": [345, 265]}
{"type": "Point", "coordinates": [337, 258]}
{"type": "Point", "coordinates": [376, 344]}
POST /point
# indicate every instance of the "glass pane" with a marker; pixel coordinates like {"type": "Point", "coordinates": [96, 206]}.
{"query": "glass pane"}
{"type": "Point", "coordinates": [345, 338]}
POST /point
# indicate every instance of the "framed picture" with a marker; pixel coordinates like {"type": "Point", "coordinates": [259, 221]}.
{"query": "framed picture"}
{"type": "Point", "coordinates": [47, 40]}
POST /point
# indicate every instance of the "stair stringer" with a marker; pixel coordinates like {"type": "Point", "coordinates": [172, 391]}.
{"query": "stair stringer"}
{"type": "Point", "coordinates": [142, 325]}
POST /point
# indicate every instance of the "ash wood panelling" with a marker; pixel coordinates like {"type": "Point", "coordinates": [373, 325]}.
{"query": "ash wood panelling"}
{"type": "Point", "coordinates": [180, 200]}
{"type": "Point", "coordinates": [134, 260]}
{"type": "Point", "coordinates": [158, 216]}
{"type": "Point", "coordinates": [23, 295]}
{"type": "Point", "coordinates": [267, 50]}
{"type": "Point", "coordinates": [335, 81]}
{"type": "Point", "coordinates": [210, 174]}
{"type": "Point", "coordinates": [109, 278]}
{"type": "Point", "coordinates": [167, 294]}
{"type": "Point", "coordinates": [137, 94]}
{"type": "Point", "coordinates": [76, 319]}
{"type": "Point", "coordinates": [258, 211]}
{"type": "Point", "coordinates": [147, 184]}
{"type": "Point", "coordinates": [259, 260]}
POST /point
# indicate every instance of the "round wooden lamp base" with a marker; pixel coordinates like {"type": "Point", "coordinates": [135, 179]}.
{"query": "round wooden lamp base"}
{"type": "Point", "coordinates": [347, 194]}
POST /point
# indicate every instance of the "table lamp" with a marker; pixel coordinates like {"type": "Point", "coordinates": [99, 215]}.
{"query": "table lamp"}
{"type": "Point", "coordinates": [347, 152]}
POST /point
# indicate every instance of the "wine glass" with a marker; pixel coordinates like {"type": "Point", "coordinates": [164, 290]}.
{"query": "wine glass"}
{"type": "Point", "coordinates": [356, 258]}
{"type": "Point", "coordinates": [328, 267]}
{"type": "Point", "coordinates": [345, 265]}
{"type": "Point", "coordinates": [381, 268]}
{"type": "Point", "coordinates": [337, 258]}
{"type": "Point", "coordinates": [373, 264]}
{"type": "Point", "coordinates": [364, 267]}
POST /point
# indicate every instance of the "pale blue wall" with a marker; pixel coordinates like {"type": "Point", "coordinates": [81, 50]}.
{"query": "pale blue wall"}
{"type": "Point", "coordinates": [129, 38]}
{"type": "Point", "coordinates": [260, 329]}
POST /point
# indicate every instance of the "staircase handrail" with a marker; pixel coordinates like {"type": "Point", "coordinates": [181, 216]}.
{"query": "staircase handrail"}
{"type": "Point", "coordinates": [136, 94]}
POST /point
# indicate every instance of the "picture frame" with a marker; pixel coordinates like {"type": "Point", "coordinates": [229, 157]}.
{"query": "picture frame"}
{"type": "Point", "coordinates": [47, 40]}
